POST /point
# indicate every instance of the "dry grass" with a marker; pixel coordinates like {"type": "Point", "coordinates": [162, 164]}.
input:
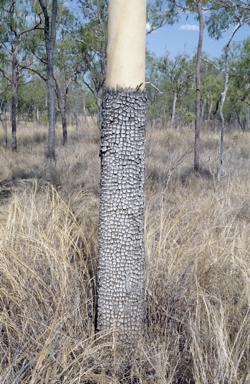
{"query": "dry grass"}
{"type": "Point", "coordinates": [198, 264]}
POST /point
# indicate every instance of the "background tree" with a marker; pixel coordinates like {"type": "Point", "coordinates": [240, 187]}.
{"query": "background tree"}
{"type": "Point", "coordinates": [240, 71]}
{"type": "Point", "coordinates": [212, 84]}
{"type": "Point", "coordinates": [32, 100]}
{"type": "Point", "coordinates": [157, 98]}
{"type": "Point", "coordinates": [92, 39]}
{"type": "Point", "coordinates": [17, 20]}
{"type": "Point", "coordinates": [68, 60]}
{"type": "Point", "coordinates": [175, 8]}
{"type": "Point", "coordinates": [69, 63]}
{"type": "Point", "coordinates": [180, 72]}
{"type": "Point", "coordinates": [121, 268]}
{"type": "Point", "coordinates": [223, 15]}
{"type": "Point", "coordinates": [198, 87]}
{"type": "Point", "coordinates": [50, 39]}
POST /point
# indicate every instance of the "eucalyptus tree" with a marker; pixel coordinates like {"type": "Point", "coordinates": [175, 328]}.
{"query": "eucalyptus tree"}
{"type": "Point", "coordinates": [50, 15]}
{"type": "Point", "coordinates": [17, 20]}
{"type": "Point", "coordinates": [237, 104]}
{"type": "Point", "coordinates": [157, 97]}
{"type": "Point", "coordinates": [180, 72]}
{"type": "Point", "coordinates": [160, 13]}
{"type": "Point", "coordinates": [198, 5]}
{"type": "Point", "coordinates": [212, 83]}
{"type": "Point", "coordinates": [92, 39]}
{"type": "Point", "coordinates": [69, 64]}
{"type": "Point", "coordinates": [5, 84]}
{"type": "Point", "coordinates": [172, 10]}
{"type": "Point", "coordinates": [240, 71]}
{"type": "Point", "coordinates": [121, 267]}
{"type": "Point", "coordinates": [68, 61]}
{"type": "Point", "coordinates": [226, 14]}
{"type": "Point", "coordinates": [32, 99]}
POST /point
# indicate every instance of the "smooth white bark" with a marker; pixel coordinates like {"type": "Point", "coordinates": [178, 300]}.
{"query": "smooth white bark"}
{"type": "Point", "coordinates": [126, 44]}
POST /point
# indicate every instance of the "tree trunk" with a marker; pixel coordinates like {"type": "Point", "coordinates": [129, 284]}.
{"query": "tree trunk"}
{"type": "Point", "coordinates": [4, 124]}
{"type": "Point", "coordinates": [64, 127]}
{"type": "Point", "coordinates": [173, 110]}
{"type": "Point", "coordinates": [62, 107]}
{"type": "Point", "coordinates": [121, 267]}
{"type": "Point", "coordinates": [220, 170]}
{"type": "Point", "coordinates": [198, 90]}
{"type": "Point", "coordinates": [50, 38]}
{"type": "Point", "coordinates": [14, 98]}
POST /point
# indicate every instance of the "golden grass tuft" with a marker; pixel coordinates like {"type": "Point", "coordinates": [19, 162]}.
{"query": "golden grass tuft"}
{"type": "Point", "coordinates": [197, 324]}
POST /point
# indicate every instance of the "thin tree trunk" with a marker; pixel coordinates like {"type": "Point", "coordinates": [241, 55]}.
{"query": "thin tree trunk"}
{"type": "Point", "coordinates": [198, 90]}
{"type": "Point", "coordinates": [64, 127]}
{"type": "Point", "coordinates": [14, 98]}
{"type": "Point", "coordinates": [173, 110]}
{"type": "Point", "coordinates": [210, 108]}
{"type": "Point", "coordinates": [121, 267]}
{"type": "Point", "coordinates": [50, 38]}
{"type": "Point", "coordinates": [203, 109]}
{"type": "Point", "coordinates": [221, 170]}
{"type": "Point", "coordinates": [4, 124]}
{"type": "Point", "coordinates": [62, 107]}
{"type": "Point", "coordinates": [85, 113]}
{"type": "Point", "coordinates": [51, 105]}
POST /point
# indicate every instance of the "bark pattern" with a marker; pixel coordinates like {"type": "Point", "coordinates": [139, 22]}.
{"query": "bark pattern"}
{"type": "Point", "coordinates": [121, 269]}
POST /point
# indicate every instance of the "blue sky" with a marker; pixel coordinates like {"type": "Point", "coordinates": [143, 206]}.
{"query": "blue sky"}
{"type": "Point", "coordinates": [183, 37]}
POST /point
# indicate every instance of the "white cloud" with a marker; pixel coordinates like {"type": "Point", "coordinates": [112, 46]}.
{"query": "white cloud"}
{"type": "Point", "coordinates": [148, 27]}
{"type": "Point", "coordinates": [189, 27]}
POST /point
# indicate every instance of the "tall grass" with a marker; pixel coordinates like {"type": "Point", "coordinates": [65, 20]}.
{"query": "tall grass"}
{"type": "Point", "coordinates": [197, 323]}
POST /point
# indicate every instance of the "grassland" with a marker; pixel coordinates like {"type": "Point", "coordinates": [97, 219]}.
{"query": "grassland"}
{"type": "Point", "coordinates": [197, 254]}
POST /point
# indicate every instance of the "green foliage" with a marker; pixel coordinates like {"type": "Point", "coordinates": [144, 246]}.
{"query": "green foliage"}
{"type": "Point", "coordinates": [179, 71]}
{"type": "Point", "coordinates": [159, 13]}
{"type": "Point", "coordinates": [32, 97]}
{"type": "Point", "coordinates": [93, 43]}
{"type": "Point", "coordinates": [240, 72]}
{"type": "Point", "coordinates": [91, 103]}
{"type": "Point", "coordinates": [224, 14]}
{"type": "Point", "coordinates": [169, 79]}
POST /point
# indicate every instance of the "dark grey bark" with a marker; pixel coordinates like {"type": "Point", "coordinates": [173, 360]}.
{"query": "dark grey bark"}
{"type": "Point", "coordinates": [14, 80]}
{"type": "Point", "coordinates": [50, 39]}
{"type": "Point", "coordinates": [61, 98]}
{"type": "Point", "coordinates": [198, 90]}
{"type": "Point", "coordinates": [3, 121]}
{"type": "Point", "coordinates": [121, 268]}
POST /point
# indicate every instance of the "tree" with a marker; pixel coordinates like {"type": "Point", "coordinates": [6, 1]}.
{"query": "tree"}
{"type": "Point", "coordinates": [15, 25]}
{"type": "Point", "coordinates": [92, 39]}
{"type": "Point", "coordinates": [179, 72]}
{"type": "Point", "coordinates": [121, 268]}
{"type": "Point", "coordinates": [32, 98]}
{"type": "Point", "coordinates": [239, 94]}
{"type": "Point", "coordinates": [174, 7]}
{"type": "Point", "coordinates": [50, 39]}
{"type": "Point", "coordinates": [68, 61]}
{"type": "Point", "coordinates": [240, 71]}
{"type": "Point", "coordinates": [68, 65]}
{"type": "Point", "coordinates": [198, 88]}
{"type": "Point", "coordinates": [225, 14]}
{"type": "Point", "coordinates": [211, 89]}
